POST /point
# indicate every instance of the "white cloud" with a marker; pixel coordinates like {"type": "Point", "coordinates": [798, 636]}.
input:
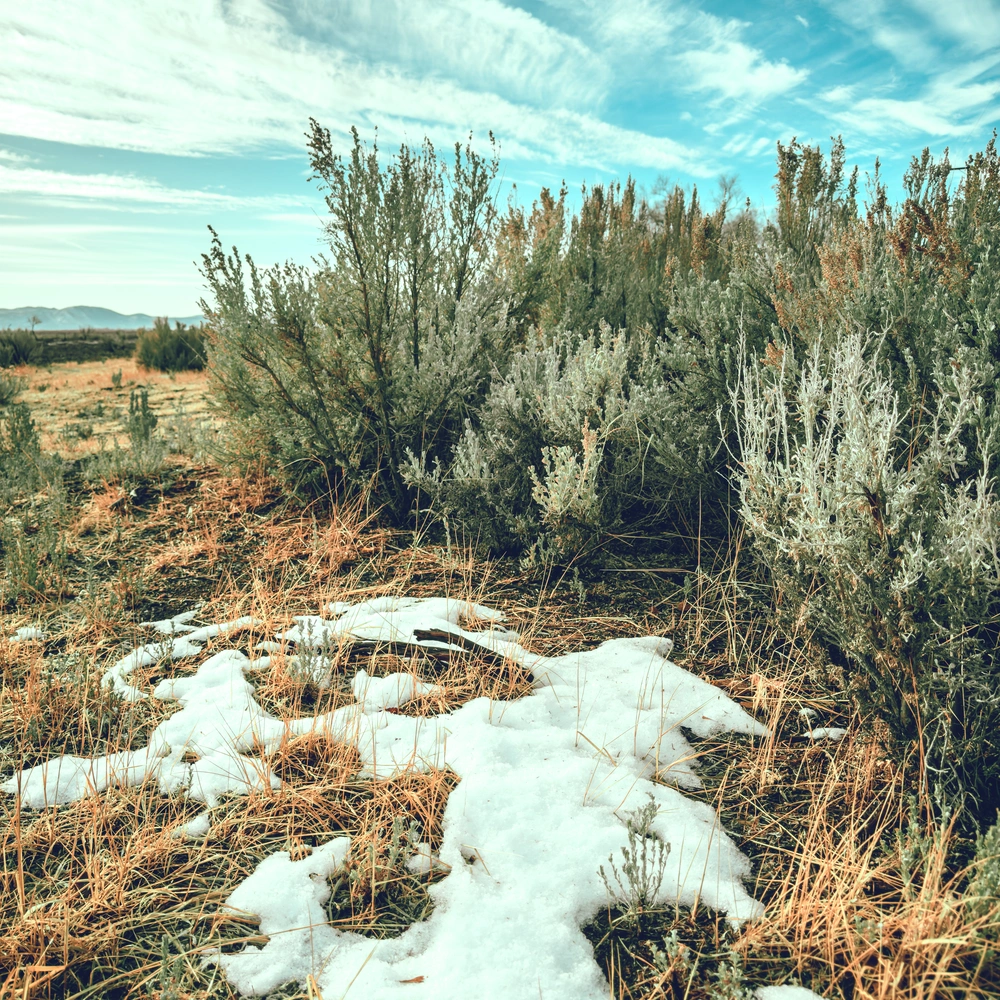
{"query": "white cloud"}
{"type": "Point", "coordinates": [915, 32]}
{"type": "Point", "coordinates": [695, 49]}
{"type": "Point", "coordinates": [952, 103]}
{"type": "Point", "coordinates": [481, 44]}
{"type": "Point", "coordinates": [838, 95]}
{"type": "Point", "coordinates": [744, 144]}
{"type": "Point", "coordinates": [802, 20]}
{"type": "Point", "coordinates": [115, 190]}
{"type": "Point", "coordinates": [975, 24]}
{"type": "Point", "coordinates": [878, 115]}
{"type": "Point", "coordinates": [180, 77]}
{"type": "Point", "coordinates": [734, 70]}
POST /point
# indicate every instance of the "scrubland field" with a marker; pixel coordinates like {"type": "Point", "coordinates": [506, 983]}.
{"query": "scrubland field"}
{"type": "Point", "coordinates": [334, 643]}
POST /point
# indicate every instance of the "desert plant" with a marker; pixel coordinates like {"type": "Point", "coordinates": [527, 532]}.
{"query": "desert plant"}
{"type": "Point", "coordinates": [386, 346]}
{"type": "Point", "coordinates": [644, 861]}
{"type": "Point", "coordinates": [33, 562]}
{"type": "Point", "coordinates": [982, 893]}
{"type": "Point", "coordinates": [18, 347]}
{"type": "Point", "coordinates": [170, 350]}
{"type": "Point", "coordinates": [20, 451]}
{"type": "Point", "coordinates": [881, 527]}
{"type": "Point", "coordinates": [11, 386]}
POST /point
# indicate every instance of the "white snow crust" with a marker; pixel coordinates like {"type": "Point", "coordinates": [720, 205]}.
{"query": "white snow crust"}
{"type": "Point", "coordinates": [26, 633]}
{"type": "Point", "coordinates": [827, 733]}
{"type": "Point", "coordinates": [786, 993]}
{"type": "Point", "coordinates": [547, 783]}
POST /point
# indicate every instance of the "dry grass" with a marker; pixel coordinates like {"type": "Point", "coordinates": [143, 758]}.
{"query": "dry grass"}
{"type": "Point", "coordinates": [97, 898]}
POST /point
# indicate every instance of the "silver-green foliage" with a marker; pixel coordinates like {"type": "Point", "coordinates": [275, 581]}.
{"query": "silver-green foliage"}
{"type": "Point", "coordinates": [333, 373]}
{"type": "Point", "coordinates": [142, 457]}
{"type": "Point", "coordinates": [579, 436]}
{"type": "Point", "coordinates": [644, 862]}
{"type": "Point", "coordinates": [881, 525]}
{"type": "Point", "coordinates": [982, 894]}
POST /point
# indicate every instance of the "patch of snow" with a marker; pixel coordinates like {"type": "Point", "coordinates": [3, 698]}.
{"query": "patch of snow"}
{"type": "Point", "coordinates": [170, 626]}
{"type": "Point", "coordinates": [547, 783]}
{"type": "Point", "coordinates": [827, 733]}
{"type": "Point", "coordinates": [268, 647]}
{"type": "Point", "coordinates": [223, 628]}
{"type": "Point", "coordinates": [194, 829]}
{"type": "Point", "coordinates": [288, 896]}
{"type": "Point", "coordinates": [391, 691]}
{"type": "Point", "coordinates": [786, 993]}
{"type": "Point", "coordinates": [424, 860]}
{"type": "Point", "coordinates": [115, 677]}
{"type": "Point", "coordinates": [28, 632]}
{"type": "Point", "coordinates": [808, 714]}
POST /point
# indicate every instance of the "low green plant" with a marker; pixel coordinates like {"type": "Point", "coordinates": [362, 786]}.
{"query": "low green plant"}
{"type": "Point", "coordinates": [11, 386]}
{"type": "Point", "coordinates": [116, 379]}
{"type": "Point", "coordinates": [982, 893]}
{"type": "Point", "coordinates": [143, 457]}
{"type": "Point", "coordinates": [34, 562]}
{"type": "Point", "coordinates": [141, 420]}
{"type": "Point", "coordinates": [169, 350]}
{"type": "Point", "coordinates": [644, 862]}
{"type": "Point", "coordinates": [21, 460]}
{"type": "Point", "coordinates": [729, 982]}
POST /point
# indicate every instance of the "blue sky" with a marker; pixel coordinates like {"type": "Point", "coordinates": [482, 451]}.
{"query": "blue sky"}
{"type": "Point", "coordinates": [126, 128]}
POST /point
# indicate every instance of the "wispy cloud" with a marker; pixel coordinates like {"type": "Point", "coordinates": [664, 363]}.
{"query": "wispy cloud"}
{"type": "Point", "coordinates": [180, 78]}
{"type": "Point", "coordinates": [116, 191]}
{"type": "Point", "coordinates": [696, 50]}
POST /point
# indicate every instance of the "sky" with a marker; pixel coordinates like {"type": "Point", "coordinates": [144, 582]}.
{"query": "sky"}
{"type": "Point", "coordinates": [127, 128]}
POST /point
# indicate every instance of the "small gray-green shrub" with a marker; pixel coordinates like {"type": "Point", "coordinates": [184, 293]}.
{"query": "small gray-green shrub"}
{"type": "Point", "coordinates": [644, 862]}
{"type": "Point", "coordinates": [33, 561]}
{"type": "Point", "coordinates": [21, 460]}
{"type": "Point", "coordinates": [982, 893]}
{"type": "Point", "coordinates": [11, 386]}
{"type": "Point", "coordinates": [143, 457]}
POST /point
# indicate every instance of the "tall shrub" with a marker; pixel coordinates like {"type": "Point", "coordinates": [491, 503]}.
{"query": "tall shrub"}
{"type": "Point", "coordinates": [335, 372]}
{"type": "Point", "coordinates": [881, 524]}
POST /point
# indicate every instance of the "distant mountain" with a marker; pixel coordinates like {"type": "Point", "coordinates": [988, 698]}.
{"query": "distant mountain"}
{"type": "Point", "coordinates": [77, 317]}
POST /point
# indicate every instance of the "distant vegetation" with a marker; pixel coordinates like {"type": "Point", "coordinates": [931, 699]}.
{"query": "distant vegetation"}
{"type": "Point", "coordinates": [18, 347]}
{"type": "Point", "coordinates": [170, 350]}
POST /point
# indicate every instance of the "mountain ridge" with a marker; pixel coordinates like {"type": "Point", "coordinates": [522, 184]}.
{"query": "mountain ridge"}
{"type": "Point", "coordinates": [78, 317]}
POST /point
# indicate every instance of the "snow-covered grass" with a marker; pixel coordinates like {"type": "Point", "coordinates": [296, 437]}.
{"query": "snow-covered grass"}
{"type": "Point", "coordinates": [419, 796]}
{"type": "Point", "coordinates": [544, 782]}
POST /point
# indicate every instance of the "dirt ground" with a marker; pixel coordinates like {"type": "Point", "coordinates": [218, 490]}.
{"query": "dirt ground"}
{"type": "Point", "coordinates": [76, 405]}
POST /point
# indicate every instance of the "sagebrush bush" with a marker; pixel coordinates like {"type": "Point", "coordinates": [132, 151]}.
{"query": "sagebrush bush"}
{"type": "Point", "coordinates": [171, 350]}
{"type": "Point", "coordinates": [144, 456]}
{"type": "Point", "coordinates": [869, 444]}
{"type": "Point", "coordinates": [18, 347]}
{"type": "Point", "coordinates": [579, 437]}
{"type": "Point", "coordinates": [21, 460]}
{"type": "Point", "coordinates": [387, 346]}
{"type": "Point", "coordinates": [881, 526]}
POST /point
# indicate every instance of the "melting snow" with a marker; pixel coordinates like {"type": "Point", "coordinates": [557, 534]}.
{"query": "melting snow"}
{"type": "Point", "coordinates": [827, 733]}
{"type": "Point", "coordinates": [546, 785]}
{"type": "Point", "coordinates": [786, 993]}
{"type": "Point", "coordinates": [26, 633]}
